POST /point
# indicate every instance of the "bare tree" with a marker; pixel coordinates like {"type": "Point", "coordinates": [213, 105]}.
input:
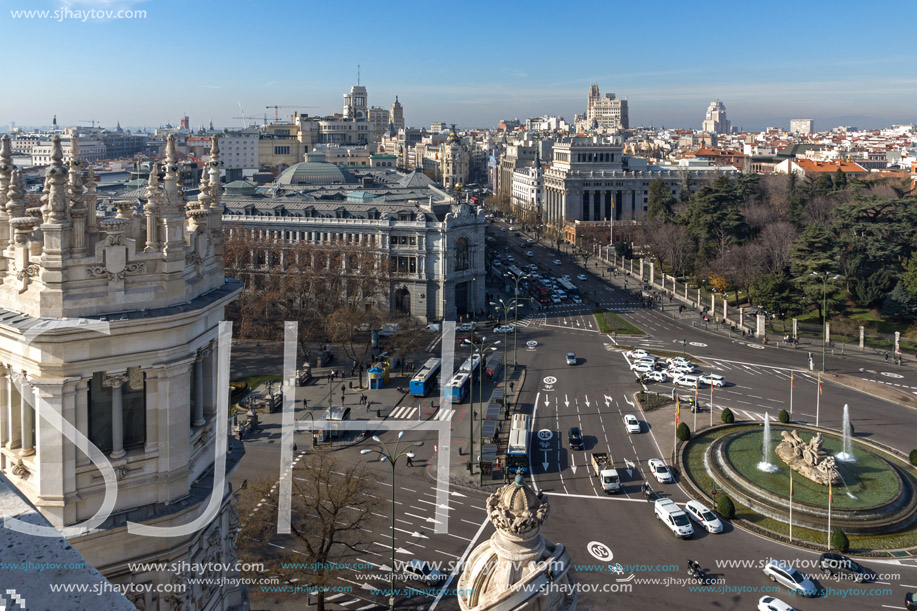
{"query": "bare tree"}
{"type": "Point", "coordinates": [332, 505]}
{"type": "Point", "coordinates": [774, 244]}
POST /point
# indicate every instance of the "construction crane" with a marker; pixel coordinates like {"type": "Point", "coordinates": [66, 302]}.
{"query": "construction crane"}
{"type": "Point", "coordinates": [250, 120]}
{"type": "Point", "coordinates": [279, 106]}
{"type": "Point", "coordinates": [93, 121]}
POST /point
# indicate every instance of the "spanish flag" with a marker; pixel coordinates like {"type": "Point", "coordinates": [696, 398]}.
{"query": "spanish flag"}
{"type": "Point", "coordinates": [677, 411]}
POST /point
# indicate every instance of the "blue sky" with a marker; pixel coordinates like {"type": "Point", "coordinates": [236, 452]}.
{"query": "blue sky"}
{"type": "Point", "coordinates": [471, 63]}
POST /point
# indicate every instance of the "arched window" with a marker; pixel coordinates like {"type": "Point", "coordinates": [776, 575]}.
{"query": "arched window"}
{"type": "Point", "coordinates": [461, 255]}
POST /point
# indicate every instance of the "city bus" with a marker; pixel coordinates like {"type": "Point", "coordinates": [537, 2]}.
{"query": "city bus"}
{"type": "Point", "coordinates": [515, 272]}
{"type": "Point", "coordinates": [467, 365]}
{"type": "Point", "coordinates": [517, 448]}
{"type": "Point", "coordinates": [568, 287]}
{"type": "Point", "coordinates": [457, 387]}
{"type": "Point", "coordinates": [540, 293]}
{"type": "Point", "coordinates": [423, 381]}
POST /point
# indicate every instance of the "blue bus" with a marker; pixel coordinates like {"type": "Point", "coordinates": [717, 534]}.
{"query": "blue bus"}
{"type": "Point", "coordinates": [467, 365]}
{"type": "Point", "coordinates": [517, 447]}
{"type": "Point", "coordinates": [457, 387]}
{"type": "Point", "coordinates": [423, 381]}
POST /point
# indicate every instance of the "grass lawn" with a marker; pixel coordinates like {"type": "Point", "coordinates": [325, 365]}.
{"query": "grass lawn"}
{"type": "Point", "coordinates": [610, 322]}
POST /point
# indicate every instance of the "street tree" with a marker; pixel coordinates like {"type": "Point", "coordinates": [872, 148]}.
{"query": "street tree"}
{"type": "Point", "coordinates": [661, 204]}
{"type": "Point", "coordinates": [333, 504]}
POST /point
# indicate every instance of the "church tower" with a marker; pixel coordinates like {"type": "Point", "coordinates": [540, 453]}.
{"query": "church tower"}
{"type": "Point", "coordinates": [397, 115]}
{"type": "Point", "coordinates": [108, 371]}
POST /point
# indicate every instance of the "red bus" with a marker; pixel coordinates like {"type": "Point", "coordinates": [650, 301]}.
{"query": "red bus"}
{"type": "Point", "coordinates": [540, 292]}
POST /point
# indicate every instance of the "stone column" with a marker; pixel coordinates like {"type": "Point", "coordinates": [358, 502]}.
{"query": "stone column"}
{"type": "Point", "coordinates": [82, 415]}
{"type": "Point", "coordinates": [759, 332]}
{"type": "Point", "coordinates": [652, 273]}
{"type": "Point", "coordinates": [198, 418]}
{"type": "Point", "coordinates": [795, 328]}
{"type": "Point", "coordinates": [116, 382]}
{"type": "Point", "coordinates": [725, 307]}
{"type": "Point", "coordinates": [686, 292]}
{"type": "Point", "coordinates": [27, 419]}
{"type": "Point", "coordinates": [698, 299]}
{"type": "Point", "coordinates": [641, 270]}
{"type": "Point", "coordinates": [14, 430]}
{"type": "Point", "coordinates": [828, 333]}
{"type": "Point", "coordinates": [4, 410]}
{"type": "Point", "coordinates": [210, 388]}
{"type": "Point", "coordinates": [862, 337]}
{"type": "Point", "coordinates": [741, 316]}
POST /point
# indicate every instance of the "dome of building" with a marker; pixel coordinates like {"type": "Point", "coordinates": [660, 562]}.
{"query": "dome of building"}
{"type": "Point", "coordinates": [315, 171]}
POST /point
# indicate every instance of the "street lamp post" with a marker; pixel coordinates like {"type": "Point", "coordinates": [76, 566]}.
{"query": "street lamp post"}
{"type": "Point", "coordinates": [480, 353]}
{"type": "Point", "coordinates": [392, 457]}
{"type": "Point", "coordinates": [824, 277]}
{"type": "Point", "coordinates": [505, 307]}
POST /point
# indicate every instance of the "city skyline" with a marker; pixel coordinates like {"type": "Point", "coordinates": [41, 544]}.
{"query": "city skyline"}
{"type": "Point", "coordinates": [772, 72]}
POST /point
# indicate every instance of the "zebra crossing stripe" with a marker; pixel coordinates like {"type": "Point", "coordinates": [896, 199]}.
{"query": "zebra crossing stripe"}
{"type": "Point", "coordinates": [410, 412]}
{"type": "Point", "coordinates": [334, 596]}
{"type": "Point", "coordinates": [444, 414]}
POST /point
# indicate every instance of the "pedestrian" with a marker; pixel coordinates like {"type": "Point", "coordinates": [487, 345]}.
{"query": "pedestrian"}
{"type": "Point", "coordinates": [511, 386]}
{"type": "Point", "coordinates": [305, 404]}
{"type": "Point", "coordinates": [410, 461]}
{"type": "Point", "coordinates": [295, 449]}
{"type": "Point", "coordinates": [342, 396]}
{"type": "Point", "coordinates": [351, 385]}
{"type": "Point", "coordinates": [886, 356]}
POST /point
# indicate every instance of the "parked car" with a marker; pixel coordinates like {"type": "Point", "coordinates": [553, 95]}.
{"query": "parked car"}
{"type": "Point", "coordinates": [576, 299]}
{"type": "Point", "coordinates": [575, 438]}
{"type": "Point", "coordinates": [631, 423]}
{"type": "Point", "coordinates": [838, 564]}
{"type": "Point", "coordinates": [581, 277]}
{"type": "Point", "coordinates": [769, 603]}
{"type": "Point", "coordinates": [656, 376]}
{"type": "Point", "coordinates": [555, 299]}
{"type": "Point", "coordinates": [678, 360]}
{"type": "Point", "coordinates": [529, 253]}
{"type": "Point", "coordinates": [433, 327]}
{"type": "Point", "coordinates": [571, 358]}
{"type": "Point", "coordinates": [642, 367]}
{"type": "Point", "coordinates": [530, 241]}
{"type": "Point", "coordinates": [704, 517]}
{"type": "Point", "coordinates": [790, 578]}
{"type": "Point", "coordinates": [682, 368]}
{"type": "Point", "coordinates": [660, 471]}
{"type": "Point", "coordinates": [638, 354]}
{"type": "Point", "coordinates": [567, 277]}
{"type": "Point", "coordinates": [465, 326]}
{"type": "Point", "coordinates": [505, 329]}
{"type": "Point", "coordinates": [556, 261]}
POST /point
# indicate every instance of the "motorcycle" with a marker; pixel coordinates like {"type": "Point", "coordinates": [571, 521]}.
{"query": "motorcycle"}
{"type": "Point", "coordinates": [696, 571]}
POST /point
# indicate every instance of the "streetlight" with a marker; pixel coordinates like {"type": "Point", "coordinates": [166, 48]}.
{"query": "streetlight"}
{"type": "Point", "coordinates": [312, 416]}
{"type": "Point", "coordinates": [392, 457]}
{"type": "Point", "coordinates": [506, 308]}
{"type": "Point", "coordinates": [480, 353]}
{"type": "Point", "coordinates": [824, 277]}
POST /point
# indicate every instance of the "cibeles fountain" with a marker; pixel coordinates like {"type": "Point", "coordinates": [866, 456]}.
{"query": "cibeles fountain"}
{"type": "Point", "coordinates": [873, 490]}
{"type": "Point", "coordinates": [517, 568]}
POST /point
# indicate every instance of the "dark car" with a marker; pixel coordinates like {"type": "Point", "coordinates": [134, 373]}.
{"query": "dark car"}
{"type": "Point", "coordinates": [910, 601]}
{"type": "Point", "coordinates": [838, 564]}
{"type": "Point", "coordinates": [575, 438]}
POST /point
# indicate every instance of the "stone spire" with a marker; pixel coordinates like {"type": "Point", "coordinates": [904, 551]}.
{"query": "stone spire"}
{"type": "Point", "coordinates": [75, 175]}
{"type": "Point", "coordinates": [6, 171]}
{"type": "Point", "coordinates": [172, 213]}
{"type": "Point", "coordinates": [216, 205]}
{"type": "Point", "coordinates": [151, 209]}
{"type": "Point", "coordinates": [56, 204]}
{"type": "Point", "coordinates": [203, 196]}
{"type": "Point", "coordinates": [517, 568]}
{"type": "Point", "coordinates": [214, 169]}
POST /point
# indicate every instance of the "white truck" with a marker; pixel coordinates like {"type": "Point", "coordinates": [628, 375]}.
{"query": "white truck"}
{"type": "Point", "coordinates": [673, 517]}
{"type": "Point", "coordinates": [604, 469]}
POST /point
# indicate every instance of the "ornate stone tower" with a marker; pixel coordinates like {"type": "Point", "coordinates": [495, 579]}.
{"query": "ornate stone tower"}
{"type": "Point", "coordinates": [109, 325]}
{"type": "Point", "coordinates": [454, 161]}
{"type": "Point", "coordinates": [396, 115]}
{"type": "Point", "coordinates": [517, 568]}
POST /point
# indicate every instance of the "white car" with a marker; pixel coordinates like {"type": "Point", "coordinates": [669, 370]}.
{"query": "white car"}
{"type": "Point", "coordinates": [530, 241]}
{"type": "Point", "coordinates": [642, 367]}
{"type": "Point", "coordinates": [505, 329]}
{"type": "Point", "coordinates": [678, 360]}
{"type": "Point", "coordinates": [713, 380]}
{"type": "Point", "coordinates": [656, 376]}
{"type": "Point", "coordinates": [769, 603]}
{"type": "Point", "coordinates": [631, 423]}
{"type": "Point", "coordinates": [704, 517]}
{"type": "Point", "coordinates": [682, 368]}
{"type": "Point", "coordinates": [638, 354]}
{"type": "Point", "coordinates": [567, 277]}
{"type": "Point", "coordinates": [790, 578]}
{"type": "Point", "coordinates": [503, 229]}
{"type": "Point", "coordinates": [576, 299]}
{"type": "Point", "coordinates": [581, 277]}
{"type": "Point", "coordinates": [571, 358]}
{"type": "Point", "coordinates": [556, 261]}
{"type": "Point", "coordinates": [662, 473]}
{"type": "Point", "coordinates": [555, 299]}
{"type": "Point", "coordinates": [529, 253]}
{"type": "Point", "coordinates": [467, 326]}
{"type": "Point", "coordinates": [686, 380]}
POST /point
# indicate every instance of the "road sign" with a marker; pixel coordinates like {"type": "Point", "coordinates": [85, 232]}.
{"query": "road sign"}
{"type": "Point", "coordinates": [545, 434]}
{"type": "Point", "coordinates": [600, 551]}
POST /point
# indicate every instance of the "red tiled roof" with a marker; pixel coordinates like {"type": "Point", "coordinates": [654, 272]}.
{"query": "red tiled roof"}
{"type": "Point", "coordinates": [810, 166]}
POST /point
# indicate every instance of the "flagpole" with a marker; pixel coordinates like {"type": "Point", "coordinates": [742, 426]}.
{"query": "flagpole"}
{"type": "Point", "coordinates": [695, 405]}
{"type": "Point", "coordinates": [791, 505]}
{"type": "Point", "coordinates": [711, 405]}
{"type": "Point", "coordinates": [677, 420]}
{"type": "Point", "coordinates": [818, 401]}
{"type": "Point", "coordinates": [830, 502]}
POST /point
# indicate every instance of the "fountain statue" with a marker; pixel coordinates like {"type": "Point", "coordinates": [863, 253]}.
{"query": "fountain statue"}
{"type": "Point", "coordinates": [808, 459]}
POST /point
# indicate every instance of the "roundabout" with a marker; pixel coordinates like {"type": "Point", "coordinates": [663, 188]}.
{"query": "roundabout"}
{"type": "Point", "coordinates": [873, 496]}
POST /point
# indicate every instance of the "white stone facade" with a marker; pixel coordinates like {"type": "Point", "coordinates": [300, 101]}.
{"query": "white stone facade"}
{"type": "Point", "coordinates": [143, 393]}
{"type": "Point", "coordinates": [239, 149]}
{"type": "Point", "coordinates": [715, 120]}
{"type": "Point", "coordinates": [606, 112]}
{"type": "Point", "coordinates": [528, 188]}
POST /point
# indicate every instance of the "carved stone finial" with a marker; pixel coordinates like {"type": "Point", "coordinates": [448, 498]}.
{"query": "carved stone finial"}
{"type": "Point", "coordinates": [171, 156]}
{"type": "Point", "coordinates": [6, 151]}
{"type": "Point", "coordinates": [56, 202]}
{"type": "Point", "coordinates": [214, 148]}
{"type": "Point", "coordinates": [15, 204]}
{"type": "Point", "coordinates": [23, 226]}
{"type": "Point", "coordinates": [74, 150]}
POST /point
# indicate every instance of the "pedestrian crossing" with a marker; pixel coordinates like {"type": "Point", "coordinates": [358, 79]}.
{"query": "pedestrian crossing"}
{"type": "Point", "coordinates": [407, 412]}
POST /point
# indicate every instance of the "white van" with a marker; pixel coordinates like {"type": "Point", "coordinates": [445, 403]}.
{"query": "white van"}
{"type": "Point", "coordinates": [673, 517]}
